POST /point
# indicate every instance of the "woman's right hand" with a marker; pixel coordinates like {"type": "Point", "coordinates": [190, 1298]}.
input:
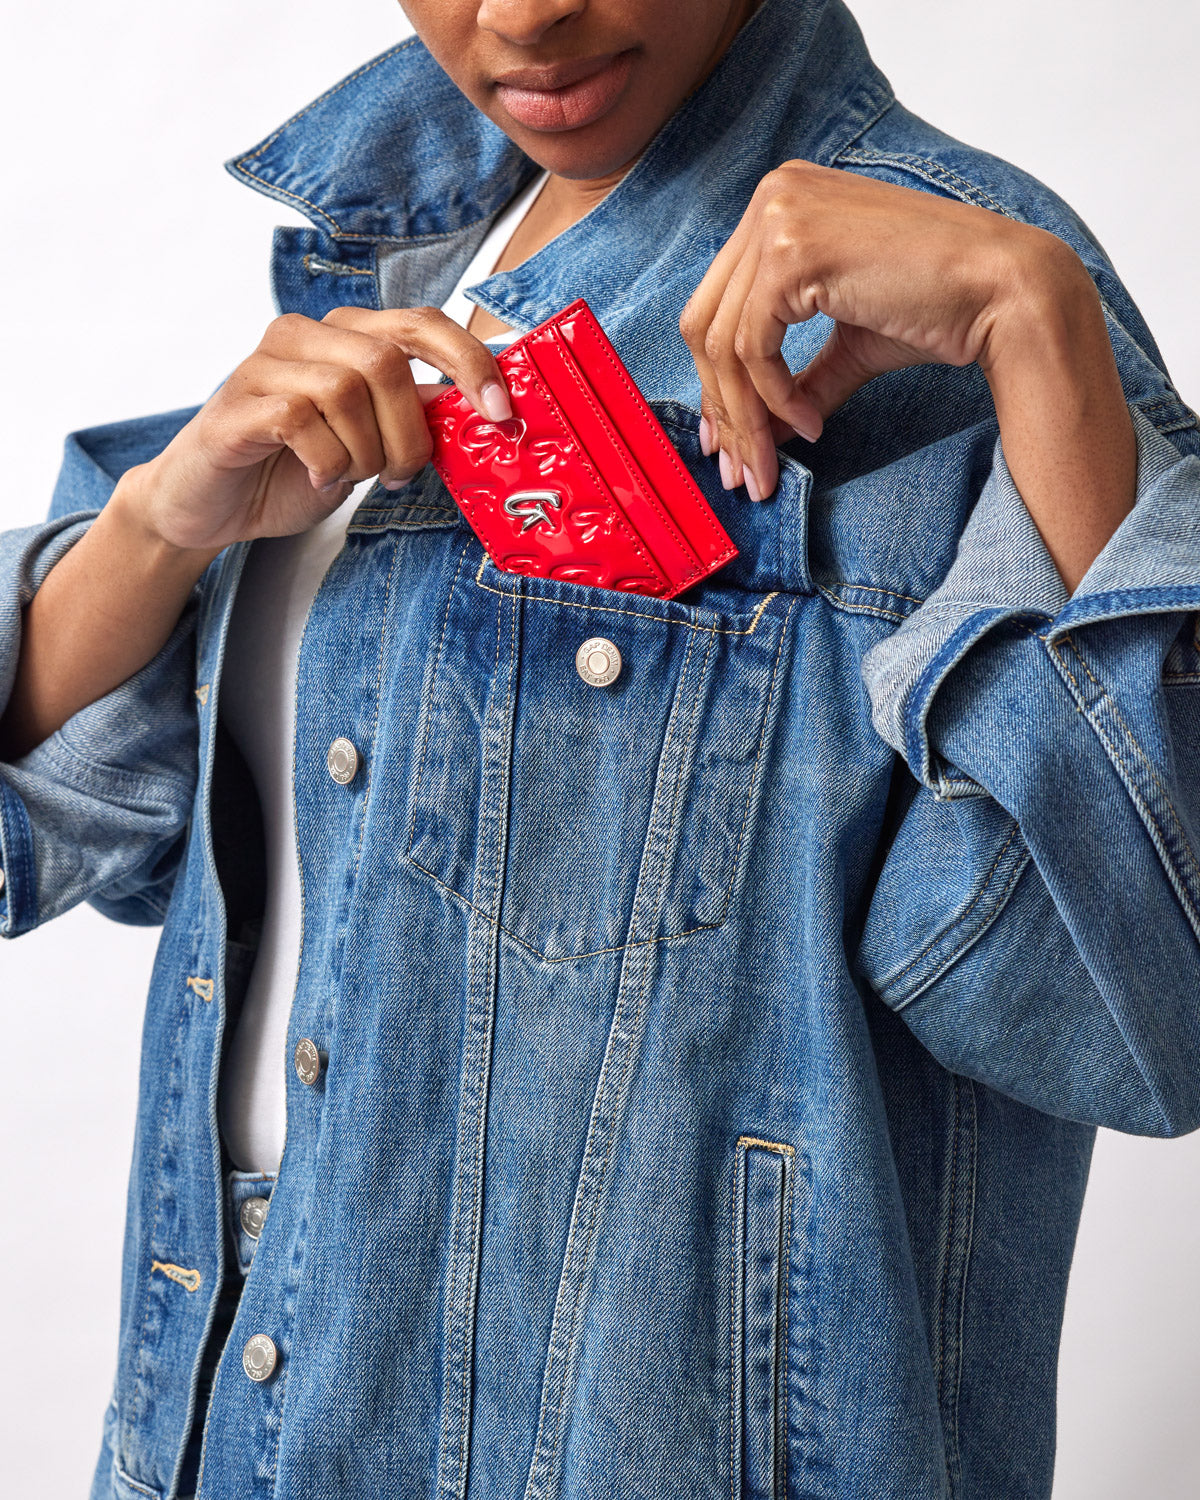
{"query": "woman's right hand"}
{"type": "Point", "coordinates": [316, 408]}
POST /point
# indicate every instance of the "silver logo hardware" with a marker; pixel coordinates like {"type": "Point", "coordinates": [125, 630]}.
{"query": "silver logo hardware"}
{"type": "Point", "coordinates": [531, 505]}
{"type": "Point", "coordinates": [259, 1357]}
{"type": "Point", "coordinates": [598, 661]}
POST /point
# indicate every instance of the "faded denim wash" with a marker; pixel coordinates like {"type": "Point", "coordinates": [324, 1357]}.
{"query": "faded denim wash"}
{"type": "Point", "coordinates": [712, 1060]}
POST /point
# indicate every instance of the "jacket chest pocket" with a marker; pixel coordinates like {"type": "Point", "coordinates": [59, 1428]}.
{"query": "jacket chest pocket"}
{"type": "Point", "coordinates": [588, 814]}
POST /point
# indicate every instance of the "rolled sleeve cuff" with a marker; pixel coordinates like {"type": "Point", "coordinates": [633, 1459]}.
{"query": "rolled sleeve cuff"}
{"type": "Point", "coordinates": [18, 881]}
{"type": "Point", "coordinates": [1003, 576]}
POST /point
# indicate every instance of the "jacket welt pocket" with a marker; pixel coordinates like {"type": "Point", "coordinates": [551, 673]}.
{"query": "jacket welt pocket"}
{"type": "Point", "coordinates": [762, 1227]}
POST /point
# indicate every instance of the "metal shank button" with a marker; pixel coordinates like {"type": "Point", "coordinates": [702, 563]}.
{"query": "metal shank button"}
{"type": "Point", "coordinates": [598, 661]}
{"type": "Point", "coordinates": [260, 1357]}
{"type": "Point", "coordinates": [308, 1060]}
{"type": "Point", "coordinates": [342, 760]}
{"type": "Point", "coordinates": [253, 1214]}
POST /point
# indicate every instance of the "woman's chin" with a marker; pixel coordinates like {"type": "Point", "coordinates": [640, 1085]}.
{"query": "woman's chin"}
{"type": "Point", "coordinates": [589, 154]}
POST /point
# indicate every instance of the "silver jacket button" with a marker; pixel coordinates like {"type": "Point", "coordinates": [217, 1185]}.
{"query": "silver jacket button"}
{"type": "Point", "coordinates": [308, 1061]}
{"type": "Point", "coordinates": [253, 1214]}
{"type": "Point", "coordinates": [598, 661]}
{"type": "Point", "coordinates": [342, 760]}
{"type": "Point", "coordinates": [260, 1357]}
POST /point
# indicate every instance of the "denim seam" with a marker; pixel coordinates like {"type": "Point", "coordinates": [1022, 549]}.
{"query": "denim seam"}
{"type": "Point", "coordinates": [152, 786]}
{"type": "Point", "coordinates": [449, 520]}
{"type": "Point", "coordinates": [945, 962]}
{"type": "Point", "coordinates": [433, 680]}
{"type": "Point", "coordinates": [968, 1250]}
{"type": "Point", "coordinates": [142, 1489]}
{"type": "Point", "coordinates": [159, 1177]}
{"type": "Point", "coordinates": [240, 162]}
{"type": "Point", "coordinates": [1182, 880]}
{"type": "Point", "coordinates": [1096, 683]}
{"type": "Point", "coordinates": [930, 171]}
{"type": "Point", "coordinates": [959, 918]}
{"type": "Point", "coordinates": [878, 611]}
{"type": "Point", "coordinates": [739, 1159]}
{"type": "Point", "coordinates": [588, 1235]}
{"type": "Point", "coordinates": [613, 609]}
{"type": "Point", "coordinates": [151, 904]}
{"type": "Point", "coordinates": [497, 895]}
{"type": "Point", "coordinates": [871, 588]}
{"type": "Point", "coordinates": [501, 844]}
{"type": "Point", "coordinates": [383, 611]}
{"type": "Point", "coordinates": [737, 856]}
{"type": "Point", "coordinates": [20, 865]}
{"type": "Point", "coordinates": [384, 510]}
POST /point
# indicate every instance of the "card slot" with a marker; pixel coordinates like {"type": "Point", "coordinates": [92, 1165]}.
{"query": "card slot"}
{"type": "Point", "coordinates": [553, 407]}
{"type": "Point", "coordinates": [598, 436]}
{"type": "Point", "coordinates": [650, 450]}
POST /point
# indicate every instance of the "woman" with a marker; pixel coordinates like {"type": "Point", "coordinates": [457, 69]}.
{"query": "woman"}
{"type": "Point", "coordinates": [692, 1078]}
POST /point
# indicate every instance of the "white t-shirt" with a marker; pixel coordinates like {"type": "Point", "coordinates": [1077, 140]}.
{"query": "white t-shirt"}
{"type": "Point", "coordinates": [257, 702]}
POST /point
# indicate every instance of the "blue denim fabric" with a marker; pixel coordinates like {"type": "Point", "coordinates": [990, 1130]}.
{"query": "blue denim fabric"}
{"type": "Point", "coordinates": [713, 1059]}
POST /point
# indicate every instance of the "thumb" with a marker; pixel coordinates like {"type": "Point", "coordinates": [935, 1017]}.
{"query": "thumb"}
{"type": "Point", "coordinates": [830, 378]}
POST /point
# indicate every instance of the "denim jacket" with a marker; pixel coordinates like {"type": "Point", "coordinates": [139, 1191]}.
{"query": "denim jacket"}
{"type": "Point", "coordinates": [707, 1064]}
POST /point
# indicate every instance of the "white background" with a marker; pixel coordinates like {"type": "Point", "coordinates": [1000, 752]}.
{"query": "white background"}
{"type": "Point", "coordinates": [134, 276]}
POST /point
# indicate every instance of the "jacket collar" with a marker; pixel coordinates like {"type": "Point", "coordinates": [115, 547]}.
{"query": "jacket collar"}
{"type": "Point", "coordinates": [394, 152]}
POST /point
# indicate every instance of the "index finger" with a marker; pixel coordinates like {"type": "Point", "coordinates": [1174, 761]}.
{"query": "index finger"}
{"type": "Point", "coordinates": [428, 334]}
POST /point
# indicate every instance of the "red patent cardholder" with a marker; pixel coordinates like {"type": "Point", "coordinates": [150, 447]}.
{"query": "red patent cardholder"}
{"type": "Point", "coordinates": [582, 483]}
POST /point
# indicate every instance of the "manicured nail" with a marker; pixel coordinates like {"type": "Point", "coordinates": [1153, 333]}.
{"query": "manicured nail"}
{"type": "Point", "coordinates": [726, 466]}
{"type": "Point", "coordinates": [808, 429]}
{"type": "Point", "coordinates": [706, 442]}
{"type": "Point", "coordinates": [393, 484]}
{"type": "Point", "coordinates": [751, 483]}
{"type": "Point", "coordinates": [494, 400]}
{"type": "Point", "coordinates": [328, 489]}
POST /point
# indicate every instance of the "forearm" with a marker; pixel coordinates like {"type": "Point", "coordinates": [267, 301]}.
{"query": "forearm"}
{"type": "Point", "coordinates": [1065, 427]}
{"type": "Point", "coordinates": [102, 612]}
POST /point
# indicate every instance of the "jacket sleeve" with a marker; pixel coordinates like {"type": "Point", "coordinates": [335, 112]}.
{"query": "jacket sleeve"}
{"type": "Point", "coordinates": [1037, 917]}
{"type": "Point", "coordinates": [98, 811]}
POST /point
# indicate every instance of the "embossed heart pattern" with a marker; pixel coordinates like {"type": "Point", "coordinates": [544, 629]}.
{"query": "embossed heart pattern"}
{"type": "Point", "coordinates": [581, 483]}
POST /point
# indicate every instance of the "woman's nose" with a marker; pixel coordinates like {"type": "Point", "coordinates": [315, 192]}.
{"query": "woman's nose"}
{"type": "Point", "coordinates": [525, 22]}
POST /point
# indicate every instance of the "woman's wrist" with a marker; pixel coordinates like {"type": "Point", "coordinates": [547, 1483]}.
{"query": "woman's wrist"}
{"type": "Point", "coordinates": [129, 513]}
{"type": "Point", "coordinates": [1065, 427]}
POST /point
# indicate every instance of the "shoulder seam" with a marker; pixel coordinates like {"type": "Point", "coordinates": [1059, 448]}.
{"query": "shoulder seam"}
{"type": "Point", "coordinates": [931, 171]}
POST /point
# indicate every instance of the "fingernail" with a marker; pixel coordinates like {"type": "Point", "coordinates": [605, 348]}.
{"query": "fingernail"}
{"type": "Point", "coordinates": [726, 465]}
{"type": "Point", "coordinates": [393, 484]}
{"type": "Point", "coordinates": [808, 430]}
{"type": "Point", "coordinates": [328, 489]}
{"type": "Point", "coordinates": [706, 442]}
{"type": "Point", "coordinates": [494, 400]}
{"type": "Point", "coordinates": [751, 483]}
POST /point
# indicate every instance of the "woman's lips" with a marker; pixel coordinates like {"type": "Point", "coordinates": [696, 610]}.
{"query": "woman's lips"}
{"type": "Point", "coordinates": [571, 105]}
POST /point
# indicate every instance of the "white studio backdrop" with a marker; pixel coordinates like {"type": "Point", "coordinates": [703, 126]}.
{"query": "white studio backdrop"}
{"type": "Point", "coordinates": [135, 272]}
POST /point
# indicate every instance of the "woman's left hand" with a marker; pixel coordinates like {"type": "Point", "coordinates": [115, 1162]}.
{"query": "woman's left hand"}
{"type": "Point", "coordinates": [908, 278]}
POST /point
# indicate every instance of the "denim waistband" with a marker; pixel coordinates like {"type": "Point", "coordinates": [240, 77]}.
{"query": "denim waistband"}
{"type": "Point", "coordinates": [247, 1199]}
